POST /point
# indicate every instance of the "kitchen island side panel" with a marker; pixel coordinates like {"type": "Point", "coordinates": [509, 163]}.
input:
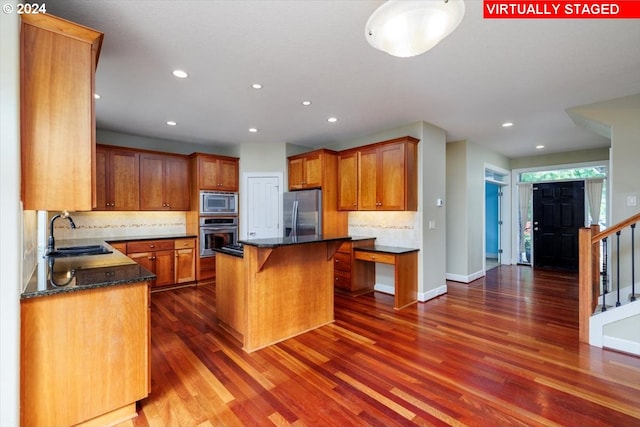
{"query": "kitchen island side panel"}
{"type": "Point", "coordinates": [288, 294]}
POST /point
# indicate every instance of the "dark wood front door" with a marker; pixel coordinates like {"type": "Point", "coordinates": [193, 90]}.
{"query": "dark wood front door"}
{"type": "Point", "coordinates": [558, 213]}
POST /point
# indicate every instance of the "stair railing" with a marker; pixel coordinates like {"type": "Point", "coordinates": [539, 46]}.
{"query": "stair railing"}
{"type": "Point", "coordinates": [590, 275]}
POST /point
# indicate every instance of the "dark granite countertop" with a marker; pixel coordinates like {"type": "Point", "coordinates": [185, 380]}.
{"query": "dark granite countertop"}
{"type": "Point", "coordinates": [226, 252]}
{"type": "Point", "coordinates": [393, 250]}
{"type": "Point", "coordinates": [289, 241]}
{"type": "Point", "coordinates": [72, 274]}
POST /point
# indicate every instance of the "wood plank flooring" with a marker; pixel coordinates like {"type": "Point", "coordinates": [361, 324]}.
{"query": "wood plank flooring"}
{"type": "Point", "coordinates": [500, 351]}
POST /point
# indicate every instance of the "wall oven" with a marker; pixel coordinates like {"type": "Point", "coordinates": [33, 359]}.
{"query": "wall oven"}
{"type": "Point", "coordinates": [218, 203]}
{"type": "Point", "coordinates": [216, 232]}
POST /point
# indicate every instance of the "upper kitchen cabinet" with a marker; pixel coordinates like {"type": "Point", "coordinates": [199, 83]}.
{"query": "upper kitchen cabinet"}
{"type": "Point", "coordinates": [217, 173]}
{"type": "Point", "coordinates": [57, 82]}
{"type": "Point", "coordinates": [388, 175]}
{"type": "Point", "coordinates": [117, 179]}
{"type": "Point", "coordinates": [348, 180]}
{"type": "Point", "coordinates": [308, 170]}
{"type": "Point", "coordinates": [164, 180]}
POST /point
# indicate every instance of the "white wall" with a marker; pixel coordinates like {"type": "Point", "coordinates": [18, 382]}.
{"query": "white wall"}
{"type": "Point", "coordinates": [10, 218]}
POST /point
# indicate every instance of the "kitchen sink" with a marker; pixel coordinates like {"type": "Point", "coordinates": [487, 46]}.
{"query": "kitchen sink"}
{"type": "Point", "coordinates": [71, 251]}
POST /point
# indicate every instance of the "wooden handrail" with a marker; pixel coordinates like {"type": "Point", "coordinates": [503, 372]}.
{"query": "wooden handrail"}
{"type": "Point", "coordinates": [618, 227]}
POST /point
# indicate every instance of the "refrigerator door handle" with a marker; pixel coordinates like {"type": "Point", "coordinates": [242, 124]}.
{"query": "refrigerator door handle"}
{"type": "Point", "coordinates": [294, 219]}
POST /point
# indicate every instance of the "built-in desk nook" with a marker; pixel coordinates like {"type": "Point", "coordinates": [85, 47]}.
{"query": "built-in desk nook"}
{"type": "Point", "coordinates": [405, 262]}
{"type": "Point", "coordinates": [278, 288]}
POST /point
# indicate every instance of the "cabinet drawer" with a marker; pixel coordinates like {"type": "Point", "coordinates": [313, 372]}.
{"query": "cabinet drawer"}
{"type": "Point", "coordinates": [342, 261]}
{"type": "Point", "coordinates": [184, 243]}
{"type": "Point", "coordinates": [342, 279]}
{"type": "Point", "coordinates": [149, 245]}
{"type": "Point", "coordinates": [375, 257]}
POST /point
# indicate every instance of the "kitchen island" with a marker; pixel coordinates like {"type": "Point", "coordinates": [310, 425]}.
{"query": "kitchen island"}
{"type": "Point", "coordinates": [279, 288]}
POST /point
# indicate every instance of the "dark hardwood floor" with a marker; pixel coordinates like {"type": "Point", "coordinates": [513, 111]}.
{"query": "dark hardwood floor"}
{"type": "Point", "coordinates": [500, 351]}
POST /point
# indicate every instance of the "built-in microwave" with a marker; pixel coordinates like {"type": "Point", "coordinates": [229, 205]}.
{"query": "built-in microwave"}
{"type": "Point", "coordinates": [218, 203]}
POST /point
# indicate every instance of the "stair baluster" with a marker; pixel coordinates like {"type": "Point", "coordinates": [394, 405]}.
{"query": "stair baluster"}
{"type": "Point", "coordinates": [618, 267]}
{"type": "Point", "coordinates": [633, 263]}
{"type": "Point", "coordinates": [605, 274]}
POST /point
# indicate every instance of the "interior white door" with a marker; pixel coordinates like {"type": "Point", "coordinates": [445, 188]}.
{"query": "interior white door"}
{"type": "Point", "coordinates": [264, 207]}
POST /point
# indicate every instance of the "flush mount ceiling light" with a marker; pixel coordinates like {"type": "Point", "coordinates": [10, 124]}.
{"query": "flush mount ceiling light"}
{"type": "Point", "coordinates": [408, 28]}
{"type": "Point", "coordinates": [171, 123]}
{"type": "Point", "coordinates": [507, 124]}
{"type": "Point", "coordinates": [180, 74]}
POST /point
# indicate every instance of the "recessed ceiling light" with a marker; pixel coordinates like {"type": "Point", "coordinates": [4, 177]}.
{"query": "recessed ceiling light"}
{"type": "Point", "coordinates": [180, 74]}
{"type": "Point", "coordinates": [253, 130]}
{"type": "Point", "coordinates": [332, 119]}
{"type": "Point", "coordinates": [539, 147]}
{"type": "Point", "coordinates": [306, 103]}
{"type": "Point", "coordinates": [507, 124]}
{"type": "Point", "coordinates": [96, 96]}
{"type": "Point", "coordinates": [171, 123]}
{"type": "Point", "coordinates": [256, 86]}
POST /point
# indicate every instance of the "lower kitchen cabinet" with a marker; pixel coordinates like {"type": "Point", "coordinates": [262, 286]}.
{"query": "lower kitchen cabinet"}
{"type": "Point", "coordinates": [350, 275]}
{"type": "Point", "coordinates": [156, 256]}
{"type": "Point", "coordinates": [84, 356]}
{"type": "Point", "coordinates": [207, 271]}
{"type": "Point", "coordinates": [185, 262]}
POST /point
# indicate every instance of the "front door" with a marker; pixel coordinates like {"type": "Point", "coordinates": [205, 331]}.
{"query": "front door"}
{"type": "Point", "coordinates": [558, 213]}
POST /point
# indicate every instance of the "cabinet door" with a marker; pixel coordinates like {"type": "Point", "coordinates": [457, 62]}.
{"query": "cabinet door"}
{"type": "Point", "coordinates": [151, 182]}
{"type": "Point", "coordinates": [296, 173]}
{"type": "Point", "coordinates": [185, 265]}
{"type": "Point", "coordinates": [228, 174]}
{"type": "Point", "coordinates": [391, 181]}
{"type": "Point", "coordinates": [176, 184]}
{"type": "Point", "coordinates": [208, 171]}
{"type": "Point", "coordinates": [348, 182]}
{"type": "Point", "coordinates": [102, 181]}
{"type": "Point", "coordinates": [164, 268]}
{"type": "Point", "coordinates": [312, 169]}
{"type": "Point", "coordinates": [367, 179]}
{"type": "Point", "coordinates": [125, 180]}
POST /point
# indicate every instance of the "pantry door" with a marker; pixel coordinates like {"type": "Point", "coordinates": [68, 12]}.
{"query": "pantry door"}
{"type": "Point", "coordinates": [262, 213]}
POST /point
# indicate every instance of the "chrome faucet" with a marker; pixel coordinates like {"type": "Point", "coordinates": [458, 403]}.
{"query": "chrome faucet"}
{"type": "Point", "coordinates": [52, 242]}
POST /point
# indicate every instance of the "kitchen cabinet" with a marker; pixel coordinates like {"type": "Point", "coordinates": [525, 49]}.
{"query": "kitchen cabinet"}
{"type": "Point", "coordinates": [319, 169]}
{"type": "Point", "coordinates": [164, 180]}
{"type": "Point", "coordinates": [84, 356]}
{"type": "Point", "coordinates": [217, 173]}
{"type": "Point", "coordinates": [117, 179]}
{"type": "Point", "coordinates": [207, 270]}
{"type": "Point", "coordinates": [353, 277]}
{"type": "Point", "coordinates": [348, 181]}
{"type": "Point", "coordinates": [388, 175]}
{"type": "Point", "coordinates": [58, 61]}
{"type": "Point", "coordinates": [157, 256]}
{"type": "Point", "coordinates": [308, 170]}
{"type": "Point", "coordinates": [185, 260]}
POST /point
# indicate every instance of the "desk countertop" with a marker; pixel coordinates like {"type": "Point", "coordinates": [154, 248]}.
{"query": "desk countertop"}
{"type": "Point", "coordinates": [393, 250]}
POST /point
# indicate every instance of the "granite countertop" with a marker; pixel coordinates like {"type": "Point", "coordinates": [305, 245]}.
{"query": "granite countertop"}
{"type": "Point", "coordinates": [394, 250]}
{"type": "Point", "coordinates": [54, 276]}
{"type": "Point", "coordinates": [276, 242]}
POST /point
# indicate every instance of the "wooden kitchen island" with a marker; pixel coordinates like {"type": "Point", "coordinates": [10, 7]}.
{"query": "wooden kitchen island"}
{"type": "Point", "coordinates": [278, 289]}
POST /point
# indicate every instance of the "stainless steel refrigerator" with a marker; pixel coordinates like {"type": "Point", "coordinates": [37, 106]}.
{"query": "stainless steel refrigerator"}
{"type": "Point", "coordinates": [302, 213]}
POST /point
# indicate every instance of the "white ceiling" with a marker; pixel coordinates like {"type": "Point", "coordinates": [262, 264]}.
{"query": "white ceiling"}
{"type": "Point", "coordinates": [487, 72]}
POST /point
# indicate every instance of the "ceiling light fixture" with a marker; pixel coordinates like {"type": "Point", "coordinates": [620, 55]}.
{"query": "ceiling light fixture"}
{"type": "Point", "coordinates": [180, 74]}
{"type": "Point", "coordinates": [408, 28]}
{"type": "Point", "coordinates": [539, 147]}
{"type": "Point", "coordinates": [256, 86]}
{"type": "Point", "coordinates": [96, 96]}
{"type": "Point", "coordinates": [253, 130]}
{"type": "Point", "coordinates": [507, 124]}
{"type": "Point", "coordinates": [171, 123]}
{"type": "Point", "coordinates": [306, 103]}
{"type": "Point", "coordinates": [332, 119]}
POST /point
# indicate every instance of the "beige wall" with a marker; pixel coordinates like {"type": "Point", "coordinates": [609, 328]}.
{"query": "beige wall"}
{"type": "Point", "coordinates": [11, 214]}
{"type": "Point", "coordinates": [581, 156]}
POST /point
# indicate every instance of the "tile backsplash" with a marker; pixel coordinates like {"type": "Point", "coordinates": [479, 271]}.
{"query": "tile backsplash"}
{"type": "Point", "coordinates": [120, 224]}
{"type": "Point", "coordinates": [389, 228]}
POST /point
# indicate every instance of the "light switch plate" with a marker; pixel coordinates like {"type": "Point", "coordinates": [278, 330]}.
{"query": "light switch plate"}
{"type": "Point", "coordinates": [632, 201]}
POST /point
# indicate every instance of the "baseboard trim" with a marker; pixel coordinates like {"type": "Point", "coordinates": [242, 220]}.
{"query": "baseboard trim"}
{"type": "Point", "coordinates": [465, 279]}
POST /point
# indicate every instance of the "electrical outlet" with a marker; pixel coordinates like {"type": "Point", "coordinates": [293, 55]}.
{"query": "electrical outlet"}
{"type": "Point", "coordinates": [432, 224]}
{"type": "Point", "coordinates": [632, 201]}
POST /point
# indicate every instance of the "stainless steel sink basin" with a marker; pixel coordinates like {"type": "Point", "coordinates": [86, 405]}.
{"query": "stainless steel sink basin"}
{"type": "Point", "coordinates": [71, 251]}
